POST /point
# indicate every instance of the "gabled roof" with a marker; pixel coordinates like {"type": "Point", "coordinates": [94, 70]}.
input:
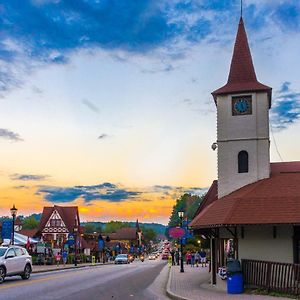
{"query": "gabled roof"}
{"type": "Point", "coordinates": [127, 233]}
{"type": "Point", "coordinates": [210, 197]}
{"type": "Point", "coordinates": [67, 213]}
{"type": "Point", "coordinates": [275, 200]}
{"type": "Point", "coordinates": [242, 77]}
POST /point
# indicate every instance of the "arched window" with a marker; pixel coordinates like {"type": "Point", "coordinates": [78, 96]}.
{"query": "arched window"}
{"type": "Point", "coordinates": [243, 162]}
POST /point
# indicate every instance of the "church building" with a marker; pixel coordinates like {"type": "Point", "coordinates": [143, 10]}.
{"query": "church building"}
{"type": "Point", "coordinates": [254, 205]}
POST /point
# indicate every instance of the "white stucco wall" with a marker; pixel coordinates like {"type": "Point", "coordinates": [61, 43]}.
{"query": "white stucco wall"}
{"type": "Point", "coordinates": [258, 243]}
{"type": "Point", "coordinates": [237, 133]}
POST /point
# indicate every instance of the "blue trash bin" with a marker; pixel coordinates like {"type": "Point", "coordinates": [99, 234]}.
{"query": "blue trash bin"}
{"type": "Point", "coordinates": [235, 283]}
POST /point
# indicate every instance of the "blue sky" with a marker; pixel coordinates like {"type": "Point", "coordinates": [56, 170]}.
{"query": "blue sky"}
{"type": "Point", "coordinates": [118, 92]}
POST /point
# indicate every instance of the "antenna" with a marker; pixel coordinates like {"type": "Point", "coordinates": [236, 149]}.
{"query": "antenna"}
{"type": "Point", "coordinates": [241, 8]}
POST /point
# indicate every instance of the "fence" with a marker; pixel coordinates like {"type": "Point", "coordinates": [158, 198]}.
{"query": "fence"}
{"type": "Point", "coordinates": [273, 276]}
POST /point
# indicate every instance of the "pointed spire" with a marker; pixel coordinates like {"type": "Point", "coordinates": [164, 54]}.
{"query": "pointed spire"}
{"type": "Point", "coordinates": [241, 69]}
{"type": "Point", "coordinates": [242, 77]}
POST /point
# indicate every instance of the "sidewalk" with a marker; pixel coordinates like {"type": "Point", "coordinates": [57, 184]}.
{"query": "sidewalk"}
{"type": "Point", "coordinates": [193, 284]}
{"type": "Point", "coordinates": [49, 268]}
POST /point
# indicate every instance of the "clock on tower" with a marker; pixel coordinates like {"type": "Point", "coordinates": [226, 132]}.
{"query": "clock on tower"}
{"type": "Point", "coordinates": [241, 105]}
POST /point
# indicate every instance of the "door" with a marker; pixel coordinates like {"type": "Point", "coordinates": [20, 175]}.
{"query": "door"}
{"type": "Point", "coordinates": [20, 260]}
{"type": "Point", "coordinates": [10, 261]}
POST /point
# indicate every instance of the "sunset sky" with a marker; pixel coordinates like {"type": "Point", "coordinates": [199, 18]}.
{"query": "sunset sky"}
{"type": "Point", "coordinates": [106, 104]}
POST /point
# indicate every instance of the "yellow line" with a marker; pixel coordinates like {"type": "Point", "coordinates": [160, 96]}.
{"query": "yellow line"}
{"type": "Point", "coordinates": [33, 281]}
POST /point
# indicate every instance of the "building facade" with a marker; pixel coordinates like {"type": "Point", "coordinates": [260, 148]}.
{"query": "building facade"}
{"type": "Point", "coordinates": [253, 208]}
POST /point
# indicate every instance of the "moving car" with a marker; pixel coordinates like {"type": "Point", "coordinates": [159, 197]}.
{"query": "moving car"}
{"type": "Point", "coordinates": [14, 261]}
{"type": "Point", "coordinates": [122, 259]}
{"type": "Point", "coordinates": [165, 255]}
{"type": "Point", "coordinates": [152, 256]}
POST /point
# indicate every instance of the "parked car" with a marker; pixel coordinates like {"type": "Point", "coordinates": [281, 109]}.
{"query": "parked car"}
{"type": "Point", "coordinates": [122, 259]}
{"type": "Point", "coordinates": [14, 260]}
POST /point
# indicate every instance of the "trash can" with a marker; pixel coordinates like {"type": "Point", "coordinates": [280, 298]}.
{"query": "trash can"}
{"type": "Point", "coordinates": [235, 282]}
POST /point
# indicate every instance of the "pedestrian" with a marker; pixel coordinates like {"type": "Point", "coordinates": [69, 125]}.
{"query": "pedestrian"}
{"type": "Point", "coordinates": [192, 259]}
{"type": "Point", "coordinates": [57, 258]}
{"type": "Point", "coordinates": [197, 258]}
{"type": "Point", "coordinates": [173, 257]}
{"type": "Point", "coordinates": [203, 257]}
{"type": "Point", "coordinates": [65, 257]}
{"type": "Point", "coordinates": [177, 257]}
{"type": "Point", "coordinates": [188, 258]}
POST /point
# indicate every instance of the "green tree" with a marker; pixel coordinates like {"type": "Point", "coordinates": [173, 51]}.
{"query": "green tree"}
{"type": "Point", "coordinates": [186, 203]}
{"type": "Point", "coordinates": [149, 234]}
{"type": "Point", "coordinates": [113, 226]}
{"type": "Point", "coordinates": [30, 223]}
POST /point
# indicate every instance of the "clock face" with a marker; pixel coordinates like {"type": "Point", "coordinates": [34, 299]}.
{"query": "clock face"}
{"type": "Point", "coordinates": [241, 105]}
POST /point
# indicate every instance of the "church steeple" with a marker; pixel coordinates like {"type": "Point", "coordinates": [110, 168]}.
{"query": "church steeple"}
{"type": "Point", "coordinates": [242, 77]}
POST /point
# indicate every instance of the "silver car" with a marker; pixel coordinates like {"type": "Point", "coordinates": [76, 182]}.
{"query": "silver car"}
{"type": "Point", "coordinates": [14, 260]}
{"type": "Point", "coordinates": [122, 259]}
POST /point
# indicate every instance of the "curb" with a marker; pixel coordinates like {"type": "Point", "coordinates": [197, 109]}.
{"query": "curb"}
{"type": "Point", "coordinates": [68, 268]}
{"type": "Point", "coordinates": [170, 294]}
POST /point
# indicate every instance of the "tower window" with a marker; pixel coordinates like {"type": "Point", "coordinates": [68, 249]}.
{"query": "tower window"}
{"type": "Point", "coordinates": [243, 162]}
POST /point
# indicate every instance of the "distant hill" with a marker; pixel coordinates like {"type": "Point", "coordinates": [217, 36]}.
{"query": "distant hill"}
{"type": "Point", "coordinates": [158, 228]}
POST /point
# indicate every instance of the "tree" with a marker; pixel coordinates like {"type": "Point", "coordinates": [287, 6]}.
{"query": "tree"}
{"type": "Point", "coordinates": [113, 226]}
{"type": "Point", "coordinates": [30, 223]}
{"type": "Point", "coordinates": [187, 203]}
{"type": "Point", "coordinates": [149, 234]}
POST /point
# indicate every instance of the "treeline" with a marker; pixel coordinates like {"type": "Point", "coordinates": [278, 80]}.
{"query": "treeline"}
{"type": "Point", "coordinates": [188, 204]}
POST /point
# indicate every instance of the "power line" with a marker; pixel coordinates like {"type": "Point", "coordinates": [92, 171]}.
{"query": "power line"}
{"type": "Point", "coordinates": [276, 147]}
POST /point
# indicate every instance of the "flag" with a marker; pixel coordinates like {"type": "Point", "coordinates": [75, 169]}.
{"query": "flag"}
{"type": "Point", "coordinates": [28, 243]}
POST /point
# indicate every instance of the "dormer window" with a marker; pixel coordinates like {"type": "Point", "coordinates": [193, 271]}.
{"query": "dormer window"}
{"type": "Point", "coordinates": [243, 162]}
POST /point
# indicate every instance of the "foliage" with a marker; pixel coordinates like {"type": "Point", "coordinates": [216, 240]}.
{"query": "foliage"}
{"type": "Point", "coordinates": [30, 223]}
{"type": "Point", "coordinates": [186, 203]}
{"type": "Point", "coordinates": [149, 234]}
{"type": "Point", "coordinates": [91, 228]}
{"type": "Point", "coordinates": [113, 226]}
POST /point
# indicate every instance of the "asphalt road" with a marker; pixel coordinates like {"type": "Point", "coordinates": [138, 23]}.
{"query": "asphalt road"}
{"type": "Point", "coordinates": [134, 281]}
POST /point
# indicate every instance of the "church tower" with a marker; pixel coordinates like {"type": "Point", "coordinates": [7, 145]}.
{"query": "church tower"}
{"type": "Point", "coordinates": [242, 122]}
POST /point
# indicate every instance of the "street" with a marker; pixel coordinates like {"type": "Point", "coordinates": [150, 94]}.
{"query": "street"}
{"type": "Point", "coordinates": [104, 282]}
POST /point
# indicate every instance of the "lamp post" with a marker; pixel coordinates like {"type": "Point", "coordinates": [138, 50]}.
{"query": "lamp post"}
{"type": "Point", "coordinates": [13, 212]}
{"type": "Point", "coordinates": [180, 215]}
{"type": "Point", "coordinates": [75, 257]}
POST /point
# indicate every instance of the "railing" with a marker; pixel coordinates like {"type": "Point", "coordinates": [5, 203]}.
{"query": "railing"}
{"type": "Point", "coordinates": [273, 276]}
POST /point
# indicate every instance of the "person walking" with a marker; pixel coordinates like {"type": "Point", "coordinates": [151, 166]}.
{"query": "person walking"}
{"type": "Point", "coordinates": [197, 259]}
{"type": "Point", "coordinates": [65, 257]}
{"type": "Point", "coordinates": [57, 258]}
{"type": "Point", "coordinates": [173, 257]}
{"type": "Point", "coordinates": [203, 257]}
{"type": "Point", "coordinates": [193, 259]}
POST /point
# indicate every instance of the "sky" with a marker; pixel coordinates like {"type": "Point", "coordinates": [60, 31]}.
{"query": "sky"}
{"type": "Point", "coordinates": [106, 104]}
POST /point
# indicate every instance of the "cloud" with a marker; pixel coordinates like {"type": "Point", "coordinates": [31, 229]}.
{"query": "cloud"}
{"type": "Point", "coordinates": [286, 107]}
{"type": "Point", "coordinates": [10, 135]}
{"type": "Point", "coordinates": [37, 32]}
{"type": "Point", "coordinates": [91, 106]}
{"type": "Point", "coordinates": [102, 192]}
{"type": "Point", "coordinates": [102, 136]}
{"type": "Point", "coordinates": [28, 177]}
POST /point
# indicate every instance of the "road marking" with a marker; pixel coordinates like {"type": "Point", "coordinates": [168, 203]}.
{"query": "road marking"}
{"type": "Point", "coordinates": [33, 281]}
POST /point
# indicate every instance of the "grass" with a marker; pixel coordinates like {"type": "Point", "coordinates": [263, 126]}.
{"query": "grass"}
{"type": "Point", "coordinates": [271, 293]}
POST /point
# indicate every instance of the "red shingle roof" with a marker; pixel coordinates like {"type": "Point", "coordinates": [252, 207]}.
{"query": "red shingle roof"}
{"type": "Point", "coordinates": [242, 77]}
{"type": "Point", "coordinates": [128, 233]}
{"type": "Point", "coordinates": [275, 200]}
{"type": "Point", "coordinates": [67, 213]}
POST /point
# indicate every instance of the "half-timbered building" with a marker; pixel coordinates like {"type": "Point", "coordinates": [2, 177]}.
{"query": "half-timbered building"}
{"type": "Point", "coordinates": [57, 223]}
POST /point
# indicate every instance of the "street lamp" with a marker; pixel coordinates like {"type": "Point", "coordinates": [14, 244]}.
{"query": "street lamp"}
{"type": "Point", "coordinates": [13, 212]}
{"type": "Point", "coordinates": [75, 257]}
{"type": "Point", "coordinates": [180, 215]}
